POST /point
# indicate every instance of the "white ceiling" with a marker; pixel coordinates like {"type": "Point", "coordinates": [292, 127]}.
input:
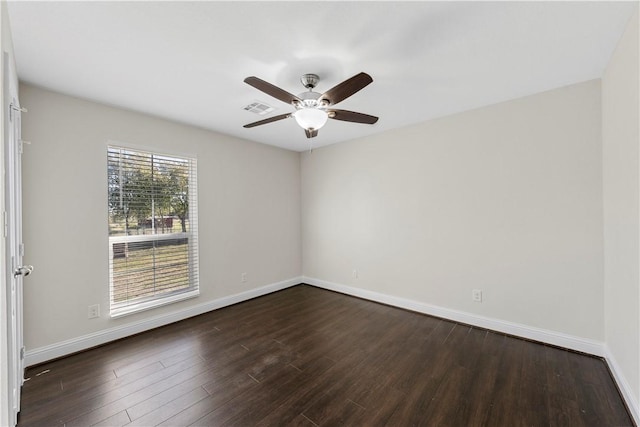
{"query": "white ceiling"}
{"type": "Point", "coordinates": [186, 61]}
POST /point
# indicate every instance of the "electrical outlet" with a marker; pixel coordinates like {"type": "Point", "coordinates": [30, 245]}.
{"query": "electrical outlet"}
{"type": "Point", "coordinates": [354, 274]}
{"type": "Point", "coordinates": [94, 311]}
{"type": "Point", "coordinates": [243, 277]}
{"type": "Point", "coordinates": [476, 295]}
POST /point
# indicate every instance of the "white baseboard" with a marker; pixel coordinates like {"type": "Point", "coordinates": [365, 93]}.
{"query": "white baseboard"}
{"type": "Point", "coordinates": [623, 385]}
{"type": "Point", "coordinates": [528, 332]}
{"type": "Point", "coordinates": [53, 351]}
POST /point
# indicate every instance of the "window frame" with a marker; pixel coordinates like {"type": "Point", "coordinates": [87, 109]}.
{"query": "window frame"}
{"type": "Point", "coordinates": [149, 302]}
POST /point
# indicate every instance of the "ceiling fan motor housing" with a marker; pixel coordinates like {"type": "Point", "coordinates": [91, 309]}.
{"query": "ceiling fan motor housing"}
{"type": "Point", "coordinates": [309, 80]}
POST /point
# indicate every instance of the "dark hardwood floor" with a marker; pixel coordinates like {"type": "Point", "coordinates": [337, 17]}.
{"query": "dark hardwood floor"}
{"type": "Point", "coordinates": [310, 357]}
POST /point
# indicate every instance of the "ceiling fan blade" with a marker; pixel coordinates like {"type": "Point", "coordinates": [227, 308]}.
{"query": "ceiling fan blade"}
{"type": "Point", "coordinates": [311, 133]}
{"type": "Point", "coordinates": [269, 120]}
{"type": "Point", "coordinates": [272, 90]}
{"type": "Point", "coordinates": [352, 116]}
{"type": "Point", "coordinates": [345, 89]}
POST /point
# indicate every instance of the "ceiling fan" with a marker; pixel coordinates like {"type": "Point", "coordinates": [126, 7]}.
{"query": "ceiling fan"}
{"type": "Point", "coordinates": [312, 108]}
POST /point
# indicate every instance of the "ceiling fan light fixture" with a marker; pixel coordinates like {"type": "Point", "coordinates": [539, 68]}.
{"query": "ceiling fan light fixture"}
{"type": "Point", "coordinates": [311, 118]}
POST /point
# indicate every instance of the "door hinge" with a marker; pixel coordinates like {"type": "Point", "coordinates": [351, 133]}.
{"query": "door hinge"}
{"type": "Point", "coordinates": [21, 144]}
{"type": "Point", "coordinates": [22, 353]}
{"type": "Point", "coordinates": [15, 107]}
{"type": "Point", "coordinates": [21, 249]}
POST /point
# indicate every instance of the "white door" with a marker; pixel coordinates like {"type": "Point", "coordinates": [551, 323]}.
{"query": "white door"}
{"type": "Point", "coordinates": [15, 270]}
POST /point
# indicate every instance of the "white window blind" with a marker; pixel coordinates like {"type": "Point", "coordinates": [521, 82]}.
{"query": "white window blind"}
{"type": "Point", "coordinates": [153, 229]}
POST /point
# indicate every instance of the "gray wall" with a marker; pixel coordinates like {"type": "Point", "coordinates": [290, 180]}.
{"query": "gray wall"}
{"type": "Point", "coordinates": [249, 211]}
{"type": "Point", "coordinates": [620, 139]}
{"type": "Point", "coordinates": [506, 199]}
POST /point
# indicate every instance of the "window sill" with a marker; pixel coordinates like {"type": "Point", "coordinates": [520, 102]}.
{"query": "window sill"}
{"type": "Point", "coordinates": [148, 305]}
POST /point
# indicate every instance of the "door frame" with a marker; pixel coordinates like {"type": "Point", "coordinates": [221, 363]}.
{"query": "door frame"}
{"type": "Point", "coordinates": [11, 229]}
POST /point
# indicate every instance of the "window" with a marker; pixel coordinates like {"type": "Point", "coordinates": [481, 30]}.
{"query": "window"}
{"type": "Point", "coordinates": [153, 229]}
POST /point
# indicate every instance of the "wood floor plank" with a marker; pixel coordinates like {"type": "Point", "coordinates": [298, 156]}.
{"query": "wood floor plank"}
{"type": "Point", "coordinates": [249, 406]}
{"type": "Point", "coordinates": [107, 405]}
{"type": "Point", "coordinates": [192, 413]}
{"type": "Point", "coordinates": [315, 380]}
{"type": "Point", "coordinates": [382, 412]}
{"type": "Point", "coordinates": [119, 419]}
{"type": "Point", "coordinates": [169, 409]}
{"type": "Point", "coordinates": [507, 402]}
{"type": "Point", "coordinates": [310, 357]}
{"type": "Point", "coordinates": [137, 410]}
{"type": "Point", "coordinates": [60, 405]}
